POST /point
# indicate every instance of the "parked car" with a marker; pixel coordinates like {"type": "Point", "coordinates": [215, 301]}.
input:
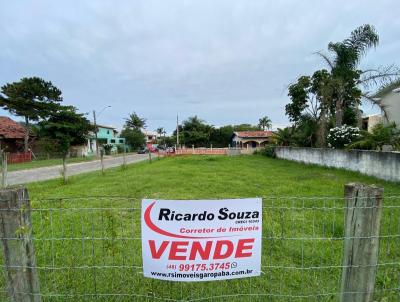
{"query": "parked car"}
{"type": "Point", "coordinates": [143, 151]}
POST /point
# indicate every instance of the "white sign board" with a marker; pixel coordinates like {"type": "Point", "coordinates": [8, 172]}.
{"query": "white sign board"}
{"type": "Point", "coordinates": [201, 240]}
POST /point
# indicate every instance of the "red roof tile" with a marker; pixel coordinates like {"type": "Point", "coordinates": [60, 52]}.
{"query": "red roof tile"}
{"type": "Point", "coordinates": [254, 133]}
{"type": "Point", "coordinates": [11, 129]}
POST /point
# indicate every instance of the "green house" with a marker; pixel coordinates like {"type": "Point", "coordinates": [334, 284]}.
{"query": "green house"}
{"type": "Point", "coordinates": [105, 135]}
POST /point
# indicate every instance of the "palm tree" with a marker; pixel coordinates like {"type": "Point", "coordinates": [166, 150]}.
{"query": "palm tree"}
{"type": "Point", "coordinates": [265, 123]}
{"type": "Point", "coordinates": [135, 122]}
{"type": "Point", "coordinates": [283, 137]}
{"type": "Point", "coordinates": [161, 131]}
{"type": "Point", "coordinates": [344, 62]}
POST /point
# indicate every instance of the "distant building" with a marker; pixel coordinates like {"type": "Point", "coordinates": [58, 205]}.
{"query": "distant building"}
{"type": "Point", "coordinates": [151, 138]}
{"type": "Point", "coordinates": [389, 97]}
{"type": "Point", "coordinates": [251, 139]}
{"type": "Point", "coordinates": [105, 135]}
{"type": "Point", "coordinates": [369, 122]}
{"type": "Point", "coordinates": [12, 135]}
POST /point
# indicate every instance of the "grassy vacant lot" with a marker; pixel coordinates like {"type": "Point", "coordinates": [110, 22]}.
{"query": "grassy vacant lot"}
{"type": "Point", "coordinates": [211, 177]}
{"type": "Point", "coordinates": [89, 248]}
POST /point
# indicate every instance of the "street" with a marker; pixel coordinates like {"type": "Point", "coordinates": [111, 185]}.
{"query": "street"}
{"type": "Point", "coordinates": [45, 173]}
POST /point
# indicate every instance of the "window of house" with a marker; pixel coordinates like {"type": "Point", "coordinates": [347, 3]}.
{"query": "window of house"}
{"type": "Point", "coordinates": [108, 131]}
{"type": "Point", "coordinates": [121, 141]}
{"type": "Point", "coordinates": [112, 141]}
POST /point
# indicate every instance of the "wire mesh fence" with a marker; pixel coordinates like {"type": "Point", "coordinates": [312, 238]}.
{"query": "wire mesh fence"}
{"type": "Point", "coordinates": [89, 249]}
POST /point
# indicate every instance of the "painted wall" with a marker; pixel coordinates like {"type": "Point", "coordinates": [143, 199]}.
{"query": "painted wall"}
{"type": "Point", "coordinates": [383, 165]}
{"type": "Point", "coordinates": [105, 133]}
{"type": "Point", "coordinates": [392, 103]}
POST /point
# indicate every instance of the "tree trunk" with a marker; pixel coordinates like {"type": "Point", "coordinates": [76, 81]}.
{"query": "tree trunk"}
{"type": "Point", "coordinates": [339, 112]}
{"type": "Point", "coordinates": [26, 140]}
{"type": "Point", "coordinates": [339, 106]}
{"type": "Point", "coordinates": [321, 131]}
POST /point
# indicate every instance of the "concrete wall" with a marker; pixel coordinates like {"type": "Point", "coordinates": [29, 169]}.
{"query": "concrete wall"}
{"type": "Point", "coordinates": [383, 165]}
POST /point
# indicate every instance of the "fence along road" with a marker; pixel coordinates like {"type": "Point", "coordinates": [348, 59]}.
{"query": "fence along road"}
{"type": "Point", "coordinates": [46, 173]}
{"type": "Point", "coordinates": [89, 249]}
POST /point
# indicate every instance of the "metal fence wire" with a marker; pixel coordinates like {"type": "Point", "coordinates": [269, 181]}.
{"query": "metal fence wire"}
{"type": "Point", "coordinates": [89, 249]}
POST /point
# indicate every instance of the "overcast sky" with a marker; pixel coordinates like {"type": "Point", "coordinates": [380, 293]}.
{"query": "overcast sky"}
{"type": "Point", "coordinates": [228, 62]}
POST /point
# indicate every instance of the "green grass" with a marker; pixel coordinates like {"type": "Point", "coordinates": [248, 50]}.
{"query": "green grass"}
{"type": "Point", "coordinates": [46, 163]}
{"type": "Point", "coordinates": [112, 265]}
{"type": "Point", "coordinates": [51, 162]}
{"type": "Point", "coordinates": [211, 177]}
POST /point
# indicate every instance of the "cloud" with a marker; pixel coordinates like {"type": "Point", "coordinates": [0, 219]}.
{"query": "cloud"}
{"type": "Point", "coordinates": [226, 61]}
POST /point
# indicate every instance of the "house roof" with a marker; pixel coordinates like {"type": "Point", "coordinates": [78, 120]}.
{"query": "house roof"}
{"type": "Point", "coordinates": [387, 89]}
{"type": "Point", "coordinates": [253, 134]}
{"type": "Point", "coordinates": [11, 129]}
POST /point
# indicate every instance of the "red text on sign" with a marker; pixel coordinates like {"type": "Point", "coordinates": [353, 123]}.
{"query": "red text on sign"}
{"type": "Point", "coordinates": [192, 250]}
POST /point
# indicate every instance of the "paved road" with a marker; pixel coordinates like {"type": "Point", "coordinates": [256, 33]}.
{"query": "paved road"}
{"type": "Point", "coordinates": [45, 173]}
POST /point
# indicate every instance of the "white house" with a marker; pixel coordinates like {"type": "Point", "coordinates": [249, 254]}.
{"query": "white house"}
{"type": "Point", "coordinates": [389, 97]}
{"type": "Point", "coordinates": [251, 139]}
{"type": "Point", "coordinates": [151, 136]}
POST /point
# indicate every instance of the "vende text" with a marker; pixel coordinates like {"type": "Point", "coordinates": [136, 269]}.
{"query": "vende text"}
{"type": "Point", "coordinates": [205, 250]}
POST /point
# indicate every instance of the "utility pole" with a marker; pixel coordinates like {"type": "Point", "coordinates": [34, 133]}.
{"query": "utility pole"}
{"type": "Point", "coordinates": [177, 132]}
{"type": "Point", "coordinates": [95, 127]}
{"type": "Point", "coordinates": [95, 132]}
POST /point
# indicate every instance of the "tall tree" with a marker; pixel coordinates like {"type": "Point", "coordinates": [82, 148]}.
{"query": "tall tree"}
{"type": "Point", "coordinates": [134, 121]}
{"type": "Point", "coordinates": [196, 132]}
{"type": "Point", "coordinates": [221, 137]}
{"type": "Point", "coordinates": [161, 132]}
{"type": "Point", "coordinates": [311, 104]}
{"type": "Point", "coordinates": [343, 59]}
{"type": "Point", "coordinates": [245, 127]}
{"type": "Point", "coordinates": [265, 123]}
{"type": "Point", "coordinates": [132, 132]}
{"type": "Point", "coordinates": [65, 128]}
{"type": "Point", "coordinates": [134, 138]}
{"type": "Point", "coordinates": [335, 95]}
{"type": "Point", "coordinates": [31, 98]}
{"type": "Point", "coordinates": [284, 137]}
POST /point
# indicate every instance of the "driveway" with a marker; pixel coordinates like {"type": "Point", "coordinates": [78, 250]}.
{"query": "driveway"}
{"type": "Point", "coordinates": [45, 173]}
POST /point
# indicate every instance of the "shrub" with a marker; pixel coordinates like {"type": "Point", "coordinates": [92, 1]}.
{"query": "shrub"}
{"type": "Point", "coordinates": [381, 134]}
{"type": "Point", "coordinates": [268, 151]}
{"type": "Point", "coordinates": [107, 148]}
{"type": "Point", "coordinates": [120, 148]}
{"type": "Point", "coordinates": [341, 137]}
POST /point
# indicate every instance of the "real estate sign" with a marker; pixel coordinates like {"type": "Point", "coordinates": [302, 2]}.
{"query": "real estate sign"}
{"type": "Point", "coordinates": [201, 240]}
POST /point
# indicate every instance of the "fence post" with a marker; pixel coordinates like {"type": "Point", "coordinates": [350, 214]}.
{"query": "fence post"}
{"type": "Point", "coordinates": [124, 158]}
{"type": "Point", "coordinates": [19, 253]}
{"type": "Point", "coordinates": [149, 156]}
{"type": "Point", "coordinates": [361, 244]}
{"type": "Point", "coordinates": [102, 161]}
{"type": "Point", "coordinates": [64, 169]}
{"type": "Point", "coordinates": [4, 168]}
